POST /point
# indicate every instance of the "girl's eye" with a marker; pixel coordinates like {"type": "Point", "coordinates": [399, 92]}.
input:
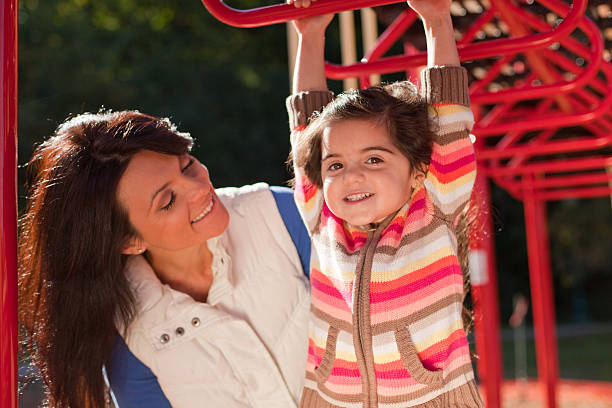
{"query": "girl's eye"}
{"type": "Point", "coordinates": [170, 202]}
{"type": "Point", "coordinates": [188, 165]}
{"type": "Point", "coordinates": [374, 160]}
{"type": "Point", "coordinates": [335, 166]}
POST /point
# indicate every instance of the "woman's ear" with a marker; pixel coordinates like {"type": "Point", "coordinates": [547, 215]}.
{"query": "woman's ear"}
{"type": "Point", "coordinates": [133, 246]}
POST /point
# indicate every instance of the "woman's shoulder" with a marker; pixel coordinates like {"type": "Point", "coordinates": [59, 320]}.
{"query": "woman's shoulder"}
{"type": "Point", "coordinates": [235, 195]}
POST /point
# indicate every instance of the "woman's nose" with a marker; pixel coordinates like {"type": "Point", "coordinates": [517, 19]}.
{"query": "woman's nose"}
{"type": "Point", "coordinates": [197, 188]}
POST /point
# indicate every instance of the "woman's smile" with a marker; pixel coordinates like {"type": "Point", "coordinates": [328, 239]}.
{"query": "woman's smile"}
{"type": "Point", "coordinates": [204, 212]}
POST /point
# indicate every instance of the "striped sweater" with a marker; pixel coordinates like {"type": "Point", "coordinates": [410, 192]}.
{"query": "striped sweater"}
{"type": "Point", "coordinates": [385, 327]}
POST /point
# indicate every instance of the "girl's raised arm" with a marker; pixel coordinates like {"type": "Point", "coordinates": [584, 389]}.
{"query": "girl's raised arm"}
{"type": "Point", "coordinates": [309, 72]}
{"type": "Point", "coordinates": [441, 46]}
{"type": "Point", "coordinates": [452, 171]}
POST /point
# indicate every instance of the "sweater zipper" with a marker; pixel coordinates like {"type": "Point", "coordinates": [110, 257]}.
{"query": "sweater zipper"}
{"type": "Point", "coordinates": [362, 312]}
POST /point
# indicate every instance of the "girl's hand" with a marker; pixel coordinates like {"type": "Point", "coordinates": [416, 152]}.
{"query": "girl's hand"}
{"type": "Point", "coordinates": [429, 8]}
{"type": "Point", "coordinates": [310, 25]}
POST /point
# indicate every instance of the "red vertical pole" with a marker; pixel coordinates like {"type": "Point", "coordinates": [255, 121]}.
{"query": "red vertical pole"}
{"type": "Point", "coordinates": [8, 209]}
{"type": "Point", "coordinates": [542, 297]}
{"type": "Point", "coordinates": [484, 294]}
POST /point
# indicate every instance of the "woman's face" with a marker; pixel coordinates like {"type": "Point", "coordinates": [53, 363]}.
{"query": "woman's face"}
{"type": "Point", "coordinates": [171, 201]}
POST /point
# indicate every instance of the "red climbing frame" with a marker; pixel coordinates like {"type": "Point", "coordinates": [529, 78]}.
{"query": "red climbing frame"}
{"type": "Point", "coordinates": [8, 211]}
{"type": "Point", "coordinates": [516, 145]}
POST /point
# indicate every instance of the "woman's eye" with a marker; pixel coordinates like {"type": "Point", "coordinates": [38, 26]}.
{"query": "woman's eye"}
{"type": "Point", "coordinates": [170, 202]}
{"type": "Point", "coordinates": [188, 165]}
{"type": "Point", "coordinates": [374, 160]}
{"type": "Point", "coordinates": [335, 166]}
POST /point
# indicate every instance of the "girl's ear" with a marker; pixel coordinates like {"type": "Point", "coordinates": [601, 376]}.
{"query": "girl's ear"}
{"type": "Point", "coordinates": [133, 246]}
{"type": "Point", "coordinates": [418, 175]}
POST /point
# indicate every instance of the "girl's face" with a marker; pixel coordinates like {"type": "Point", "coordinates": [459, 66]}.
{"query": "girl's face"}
{"type": "Point", "coordinates": [365, 177]}
{"type": "Point", "coordinates": [171, 201]}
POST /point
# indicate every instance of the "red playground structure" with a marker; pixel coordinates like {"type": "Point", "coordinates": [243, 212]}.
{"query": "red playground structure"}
{"type": "Point", "coordinates": [545, 135]}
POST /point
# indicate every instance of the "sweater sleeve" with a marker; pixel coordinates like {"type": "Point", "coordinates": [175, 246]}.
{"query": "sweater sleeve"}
{"type": "Point", "coordinates": [308, 197]}
{"type": "Point", "coordinates": [452, 171]}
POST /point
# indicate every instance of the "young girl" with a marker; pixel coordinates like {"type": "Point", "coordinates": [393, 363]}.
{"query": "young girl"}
{"type": "Point", "coordinates": [382, 176]}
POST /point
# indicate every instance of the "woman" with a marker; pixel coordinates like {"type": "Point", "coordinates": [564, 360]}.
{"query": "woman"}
{"type": "Point", "coordinates": [123, 228]}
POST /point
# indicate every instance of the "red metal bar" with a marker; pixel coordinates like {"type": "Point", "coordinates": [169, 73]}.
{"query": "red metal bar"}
{"type": "Point", "coordinates": [474, 28]}
{"type": "Point", "coordinates": [602, 177]}
{"type": "Point", "coordinates": [553, 166]}
{"type": "Point", "coordinates": [8, 211]}
{"type": "Point", "coordinates": [532, 92]}
{"type": "Point", "coordinates": [541, 297]}
{"type": "Point", "coordinates": [386, 40]}
{"type": "Point", "coordinates": [545, 121]}
{"type": "Point", "coordinates": [281, 13]}
{"type": "Point", "coordinates": [576, 193]}
{"type": "Point", "coordinates": [483, 276]}
{"type": "Point", "coordinates": [391, 34]}
{"type": "Point", "coordinates": [479, 50]}
{"type": "Point", "coordinates": [572, 145]}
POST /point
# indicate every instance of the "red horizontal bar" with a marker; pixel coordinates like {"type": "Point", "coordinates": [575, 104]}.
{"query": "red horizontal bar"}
{"type": "Point", "coordinates": [479, 50]}
{"type": "Point", "coordinates": [572, 180]}
{"type": "Point", "coordinates": [573, 145]}
{"type": "Point", "coordinates": [557, 166]}
{"type": "Point", "coordinates": [281, 13]}
{"type": "Point", "coordinates": [573, 193]}
{"type": "Point", "coordinates": [391, 34]}
{"type": "Point", "coordinates": [556, 120]}
{"type": "Point", "coordinates": [532, 92]}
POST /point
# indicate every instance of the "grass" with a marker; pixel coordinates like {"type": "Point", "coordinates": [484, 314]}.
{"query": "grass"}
{"type": "Point", "coordinates": [581, 357]}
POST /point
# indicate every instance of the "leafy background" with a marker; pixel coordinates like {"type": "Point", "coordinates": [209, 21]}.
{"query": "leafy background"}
{"type": "Point", "coordinates": [227, 87]}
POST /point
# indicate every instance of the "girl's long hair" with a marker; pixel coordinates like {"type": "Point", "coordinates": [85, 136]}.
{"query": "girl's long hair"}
{"type": "Point", "coordinates": [72, 285]}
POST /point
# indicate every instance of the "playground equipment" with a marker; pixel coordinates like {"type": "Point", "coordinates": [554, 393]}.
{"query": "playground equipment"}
{"type": "Point", "coordinates": [546, 135]}
{"type": "Point", "coordinates": [8, 209]}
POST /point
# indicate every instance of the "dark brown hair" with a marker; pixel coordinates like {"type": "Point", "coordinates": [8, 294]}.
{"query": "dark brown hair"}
{"type": "Point", "coordinates": [397, 106]}
{"type": "Point", "coordinates": [72, 285]}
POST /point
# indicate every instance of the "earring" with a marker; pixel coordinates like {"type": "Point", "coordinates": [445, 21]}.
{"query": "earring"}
{"type": "Point", "coordinates": [140, 250]}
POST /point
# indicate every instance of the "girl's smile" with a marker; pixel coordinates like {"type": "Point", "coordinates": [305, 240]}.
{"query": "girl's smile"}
{"type": "Point", "coordinates": [365, 176]}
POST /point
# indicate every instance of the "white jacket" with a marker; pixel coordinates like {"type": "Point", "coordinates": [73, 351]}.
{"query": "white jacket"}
{"type": "Point", "coordinates": [246, 346]}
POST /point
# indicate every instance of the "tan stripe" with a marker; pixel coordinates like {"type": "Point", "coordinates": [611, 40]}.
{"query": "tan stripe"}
{"type": "Point", "coordinates": [329, 357]}
{"type": "Point", "coordinates": [422, 392]}
{"type": "Point", "coordinates": [337, 323]}
{"type": "Point", "coordinates": [413, 363]}
{"type": "Point", "coordinates": [445, 138]}
{"type": "Point", "coordinates": [311, 398]}
{"type": "Point", "coordinates": [438, 220]}
{"type": "Point", "coordinates": [331, 394]}
{"type": "Point", "coordinates": [415, 317]}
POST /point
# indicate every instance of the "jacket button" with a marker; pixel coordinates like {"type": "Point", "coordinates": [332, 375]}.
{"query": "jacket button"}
{"type": "Point", "coordinates": [164, 338]}
{"type": "Point", "coordinates": [195, 322]}
{"type": "Point", "coordinates": [179, 331]}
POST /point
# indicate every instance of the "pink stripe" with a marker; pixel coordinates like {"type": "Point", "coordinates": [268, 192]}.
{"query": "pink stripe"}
{"type": "Point", "coordinates": [451, 167]}
{"type": "Point", "coordinates": [450, 270]}
{"type": "Point", "coordinates": [386, 314]}
{"type": "Point", "coordinates": [437, 360]}
{"type": "Point", "coordinates": [345, 372]}
{"type": "Point", "coordinates": [328, 290]}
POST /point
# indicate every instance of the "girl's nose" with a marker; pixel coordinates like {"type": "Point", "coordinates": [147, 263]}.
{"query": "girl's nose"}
{"type": "Point", "coordinates": [353, 174]}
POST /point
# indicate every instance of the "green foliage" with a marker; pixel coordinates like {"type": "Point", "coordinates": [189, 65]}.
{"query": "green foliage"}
{"type": "Point", "coordinates": [224, 85]}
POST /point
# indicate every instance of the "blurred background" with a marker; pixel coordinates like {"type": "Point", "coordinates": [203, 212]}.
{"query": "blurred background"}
{"type": "Point", "coordinates": [226, 86]}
